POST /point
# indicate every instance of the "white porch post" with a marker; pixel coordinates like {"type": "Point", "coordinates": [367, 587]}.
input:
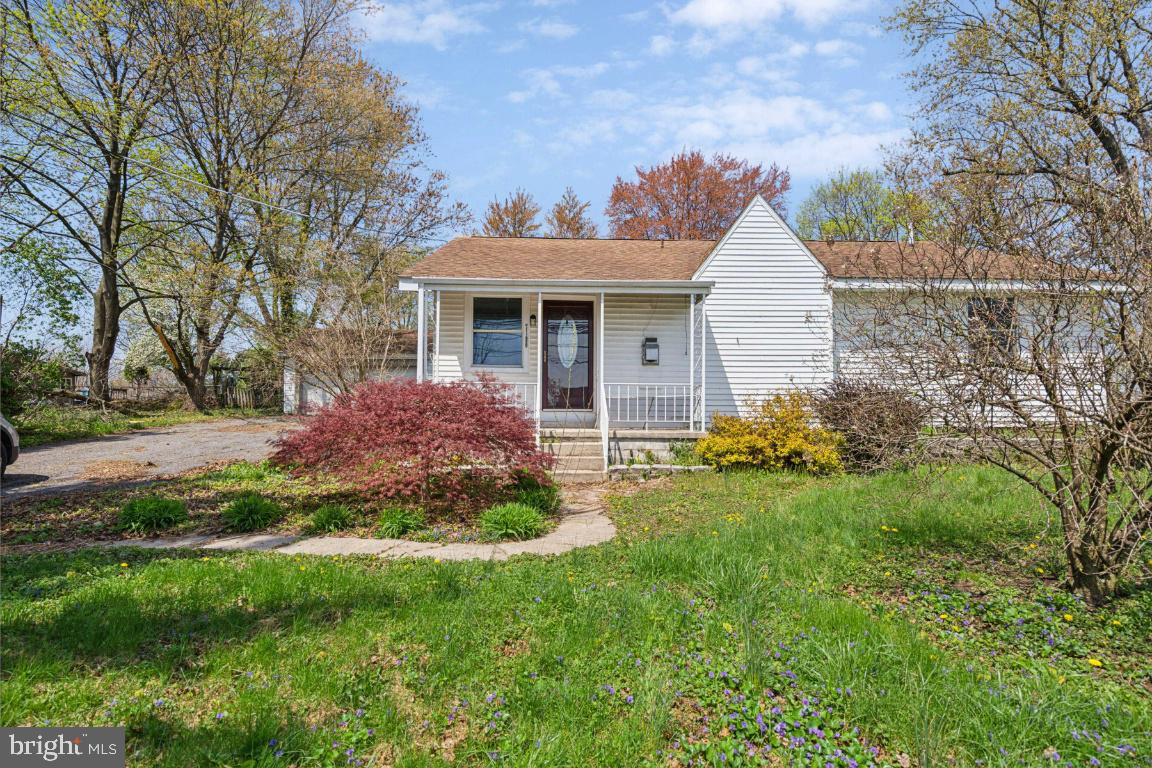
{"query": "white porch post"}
{"type": "Point", "coordinates": [691, 362]}
{"type": "Point", "coordinates": [602, 397]}
{"type": "Point", "coordinates": [704, 363]}
{"type": "Point", "coordinates": [421, 334]}
{"type": "Point", "coordinates": [436, 339]}
{"type": "Point", "coordinates": [540, 342]}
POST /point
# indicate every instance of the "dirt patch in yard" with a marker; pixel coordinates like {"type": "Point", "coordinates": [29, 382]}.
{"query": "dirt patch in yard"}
{"type": "Point", "coordinates": [117, 469]}
{"type": "Point", "coordinates": [251, 428]}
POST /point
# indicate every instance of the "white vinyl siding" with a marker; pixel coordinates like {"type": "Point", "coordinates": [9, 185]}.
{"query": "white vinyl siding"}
{"type": "Point", "coordinates": [628, 320]}
{"type": "Point", "coordinates": [769, 314]}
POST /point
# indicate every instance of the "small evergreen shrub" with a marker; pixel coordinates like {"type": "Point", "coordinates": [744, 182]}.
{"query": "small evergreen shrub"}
{"type": "Point", "coordinates": [512, 521]}
{"type": "Point", "coordinates": [251, 512]}
{"type": "Point", "coordinates": [880, 425]}
{"type": "Point", "coordinates": [395, 522]}
{"type": "Point", "coordinates": [152, 513]}
{"type": "Point", "coordinates": [331, 517]}
{"type": "Point", "coordinates": [779, 434]}
{"type": "Point", "coordinates": [543, 495]}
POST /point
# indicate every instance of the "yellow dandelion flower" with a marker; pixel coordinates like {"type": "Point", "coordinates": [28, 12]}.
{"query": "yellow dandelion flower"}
{"type": "Point", "coordinates": [1039, 570]}
{"type": "Point", "coordinates": [887, 573]}
{"type": "Point", "coordinates": [1096, 662]}
{"type": "Point", "coordinates": [1067, 617]}
{"type": "Point", "coordinates": [123, 565]}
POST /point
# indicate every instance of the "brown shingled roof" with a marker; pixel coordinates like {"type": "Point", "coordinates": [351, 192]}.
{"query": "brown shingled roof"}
{"type": "Point", "coordinates": [542, 258]}
{"type": "Point", "coordinates": [887, 259]}
{"type": "Point", "coordinates": [546, 258]}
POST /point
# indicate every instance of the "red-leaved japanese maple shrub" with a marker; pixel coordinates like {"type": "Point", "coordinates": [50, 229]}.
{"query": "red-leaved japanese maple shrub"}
{"type": "Point", "coordinates": [450, 447]}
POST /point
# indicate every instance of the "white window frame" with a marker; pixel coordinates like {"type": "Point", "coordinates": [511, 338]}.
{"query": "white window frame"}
{"type": "Point", "coordinates": [469, 330]}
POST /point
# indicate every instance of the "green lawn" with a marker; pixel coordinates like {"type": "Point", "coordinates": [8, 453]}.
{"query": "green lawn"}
{"type": "Point", "coordinates": [51, 424]}
{"type": "Point", "coordinates": [911, 618]}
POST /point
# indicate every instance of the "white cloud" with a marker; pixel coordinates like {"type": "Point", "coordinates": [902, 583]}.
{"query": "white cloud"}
{"type": "Point", "coordinates": [428, 22]}
{"type": "Point", "coordinates": [809, 135]}
{"type": "Point", "coordinates": [841, 52]}
{"type": "Point", "coordinates": [546, 82]}
{"type": "Point", "coordinates": [660, 45]}
{"type": "Point", "coordinates": [817, 154]}
{"type": "Point", "coordinates": [741, 15]}
{"type": "Point", "coordinates": [551, 28]}
{"type": "Point", "coordinates": [611, 98]}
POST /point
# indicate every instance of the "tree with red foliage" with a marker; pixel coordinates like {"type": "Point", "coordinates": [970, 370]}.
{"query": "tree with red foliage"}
{"type": "Point", "coordinates": [691, 197]}
{"type": "Point", "coordinates": [515, 216]}
{"type": "Point", "coordinates": [454, 447]}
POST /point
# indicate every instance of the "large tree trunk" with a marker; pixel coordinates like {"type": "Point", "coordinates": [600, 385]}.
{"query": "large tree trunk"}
{"type": "Point", "coordinates": [106, 310]}
{"type": "Point", "coordinates": [1091, 567]}
{"type": "Point", "coordinates": [105, 330]}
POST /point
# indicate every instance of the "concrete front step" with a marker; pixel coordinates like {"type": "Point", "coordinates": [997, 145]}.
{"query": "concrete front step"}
{"type": "Point", "coordinates": [566, 463]}
{"type": "Point", "coordinates": [568, 433]}
{"type": "Point", "coordinates": [582, 448]}
{"type": "Point", "coordinates": [580, 476]}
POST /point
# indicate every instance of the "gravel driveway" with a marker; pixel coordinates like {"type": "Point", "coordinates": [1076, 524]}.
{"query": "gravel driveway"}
{"type": "Point", "coordinates": [136, 457]}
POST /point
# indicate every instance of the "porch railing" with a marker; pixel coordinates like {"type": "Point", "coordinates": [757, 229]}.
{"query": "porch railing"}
{"type": "Point", "coordinates": [523, 395]}
{"type": "Point", "coordinates": [649, 404]}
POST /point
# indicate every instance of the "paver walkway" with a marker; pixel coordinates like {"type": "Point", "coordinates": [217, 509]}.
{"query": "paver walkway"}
{"type": "Point", "coordinates": [583, 523]}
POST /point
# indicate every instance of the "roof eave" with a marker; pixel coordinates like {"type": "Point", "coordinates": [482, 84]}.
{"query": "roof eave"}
{"type": "Point", "coordinates": [443, 283]}
{"type": "Point", "coordinates": [958, 284]}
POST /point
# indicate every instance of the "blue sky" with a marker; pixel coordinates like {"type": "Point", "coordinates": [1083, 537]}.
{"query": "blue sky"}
{"type": "Point", "coordinates": [542, 94]}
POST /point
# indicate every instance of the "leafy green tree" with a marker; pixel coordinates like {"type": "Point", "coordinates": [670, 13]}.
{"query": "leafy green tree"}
{"type": "Point", "coordinates": [79, 81]}
{"type": "Point", "coordinates": [861, 205]}
{"type": "Point", "coordinates": [38, 296]}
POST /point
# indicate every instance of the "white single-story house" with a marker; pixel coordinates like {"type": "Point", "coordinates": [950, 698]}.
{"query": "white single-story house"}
{"type": "Point", "coordinates": [622, 345]}
{"type": "Point", "coordinates": [617, 347]}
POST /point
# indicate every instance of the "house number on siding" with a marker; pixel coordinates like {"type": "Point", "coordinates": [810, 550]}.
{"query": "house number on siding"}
{"type": "Point", "coordinates": [567, 341]}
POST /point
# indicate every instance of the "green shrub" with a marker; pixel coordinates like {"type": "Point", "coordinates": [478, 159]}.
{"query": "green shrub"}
{"type": "Point", "coordinates": [246, 471]}
{"type": "Point", "coordinates": [544, 496]}
{"type": "Point", "coordinates": [251, 512]}
{"type": "Point", "coordinates": [152, 513]}
{"type": "Point", "coordinates": [513, 521]}
{"type": "Point", "coordinates": [683, 452]}
{"type": "Point", "coordinates": [394, 522]}
{"type": "Point", "coordinates": [779, 434]}
{"type": "Point", "coordinates": [331, 517]}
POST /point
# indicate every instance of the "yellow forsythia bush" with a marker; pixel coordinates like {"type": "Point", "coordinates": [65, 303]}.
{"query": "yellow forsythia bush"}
{"type": "Point", "coordinates": [778, 434]}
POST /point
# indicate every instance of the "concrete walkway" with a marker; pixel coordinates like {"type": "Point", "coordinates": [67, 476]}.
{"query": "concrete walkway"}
{"type": "Point", "coordinates": [583, 523]}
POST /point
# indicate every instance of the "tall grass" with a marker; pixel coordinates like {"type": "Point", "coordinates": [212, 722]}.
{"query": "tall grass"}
{"type": "Point", "coordinates": [292, 648]}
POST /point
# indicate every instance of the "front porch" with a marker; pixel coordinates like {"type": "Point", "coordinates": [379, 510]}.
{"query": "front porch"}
{"type": "Point", "coordinates": [596, 367]}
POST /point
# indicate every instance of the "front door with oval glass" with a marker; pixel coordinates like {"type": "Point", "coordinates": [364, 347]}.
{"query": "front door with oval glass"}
{"type": "Point", "coordinates": [568, 379]}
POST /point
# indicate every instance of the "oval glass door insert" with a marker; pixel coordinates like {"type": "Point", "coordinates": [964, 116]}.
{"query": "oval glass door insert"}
{"type": "Point", "coordinates": [567, 341]}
